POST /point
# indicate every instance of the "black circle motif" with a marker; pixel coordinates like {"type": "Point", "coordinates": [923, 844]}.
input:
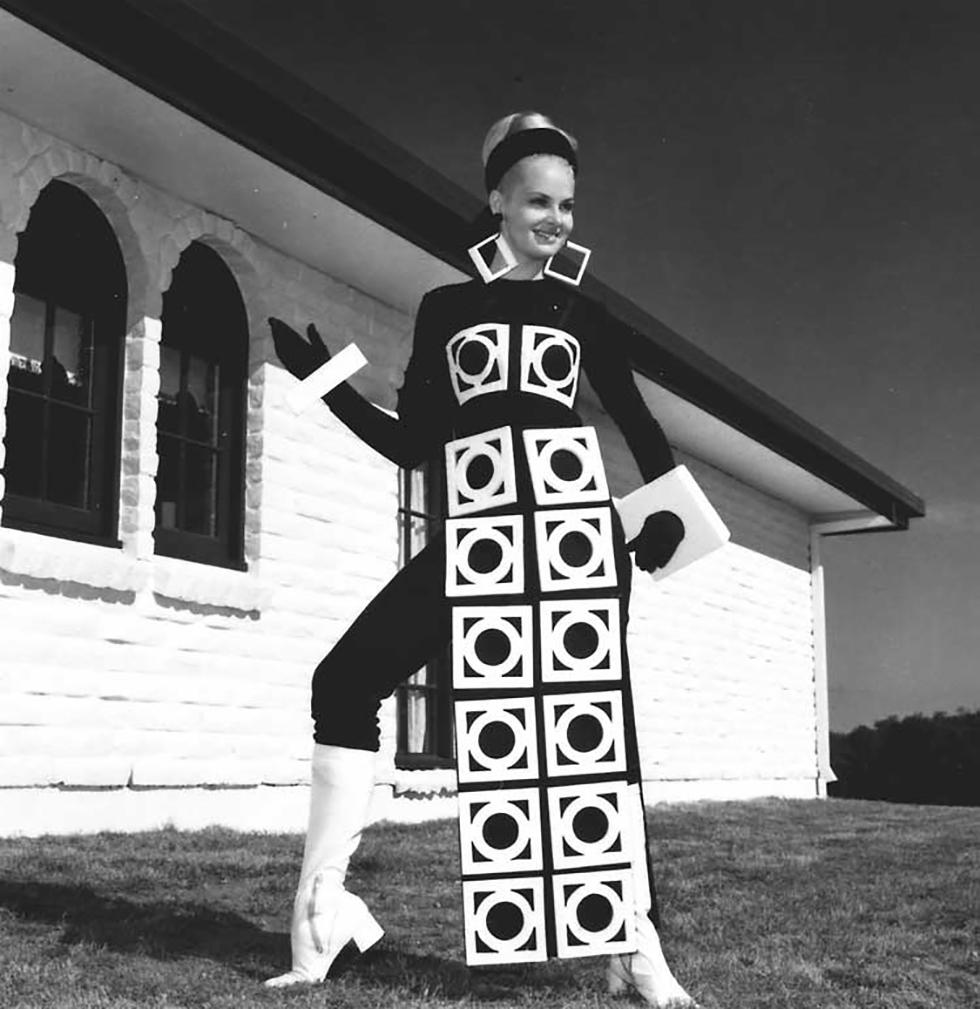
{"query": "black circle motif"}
{"type": "Point", "coordinates": [575, 549]}
{"type": "Point", "coordinates": [497, 740]}
{"type": "Point", "coordinates": [566, 465]}
{"type": "Point", "coordinates": [485, 556]}
{"type": "Point", "coordinates": [505, 920]}
{"type": "Point", "coordinates": [590, 824]}
{"type": "Point", "coordinates": [500, 831]}
{"type": "Point", "coordinates": [595, 913]}
{"type": "Point", "coordinates": [581, 640]}
{"type": "Point", "coordinates": [556, 363]}
{"type": "Point", "coordinates": [492, 647]}
{"type": "Point", "coordinates": [473, 357]}
{"type": "Point", "coordinates": [584, 733]}
{"type": "Point", "coordinates": [479, 472]}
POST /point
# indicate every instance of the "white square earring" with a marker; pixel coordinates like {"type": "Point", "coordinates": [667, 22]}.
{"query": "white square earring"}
{"type": "Point", "coordinates": [483, 267]}
{"type": "Point", "coordinates": [577, 278]}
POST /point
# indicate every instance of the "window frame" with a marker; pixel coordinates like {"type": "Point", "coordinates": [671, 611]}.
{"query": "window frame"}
{"type": "Point", "coordinates": [105, 319]}
{"type": "Point", "coordinates": [438, 692]}
{"type": "Point", "coordinates": [227, 548]}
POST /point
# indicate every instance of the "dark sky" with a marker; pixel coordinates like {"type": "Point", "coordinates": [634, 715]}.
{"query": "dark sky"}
{"type": "Point", "coordinates": [792, 187]}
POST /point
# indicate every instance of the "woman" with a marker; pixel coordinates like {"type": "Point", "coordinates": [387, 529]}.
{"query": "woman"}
{"type": "Point", "coordinates": [525, 587]}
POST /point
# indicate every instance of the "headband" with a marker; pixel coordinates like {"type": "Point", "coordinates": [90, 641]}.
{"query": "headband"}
{"type": "Point", "coordinates": [510, 150]}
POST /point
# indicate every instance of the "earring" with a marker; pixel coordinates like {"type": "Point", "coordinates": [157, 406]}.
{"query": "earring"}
{"type": "Point", "coordinates": [577, 278]}
{"type": "Point", "coordinates": [483, 267]}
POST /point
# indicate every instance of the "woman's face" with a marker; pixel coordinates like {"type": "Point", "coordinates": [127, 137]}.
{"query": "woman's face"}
{"type": "Point", "coordinates": [535, 200]}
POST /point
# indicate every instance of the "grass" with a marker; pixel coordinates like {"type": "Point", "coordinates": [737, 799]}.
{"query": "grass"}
{"type": "Point", "coordinates": [809, 905]}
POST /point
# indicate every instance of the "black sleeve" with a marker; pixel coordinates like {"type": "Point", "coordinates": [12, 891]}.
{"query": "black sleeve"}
{"type": "Point", "coordinates": [416, 433]}
{"type": "Point", "coordinates": [608, 369]}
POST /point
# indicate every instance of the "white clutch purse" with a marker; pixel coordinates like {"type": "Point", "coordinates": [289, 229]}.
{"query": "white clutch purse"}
{"type": "Point", "coordinates": [677, 492]}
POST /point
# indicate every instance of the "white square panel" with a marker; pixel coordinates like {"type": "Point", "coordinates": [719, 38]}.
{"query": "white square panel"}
{"type": "Point", "coordinates": [485, 556]}
{"type": "Point", "coordinates": [565, 465]}
{"type": "Point", "coordinates": [590, 825]}
{"type": "Point", "coordinates": [503, 921]}
{"type": "Point", "coordinates": [500, 831]}
{"type": "Point", "coordinates": [549, 363]}
{"type": "Point", "coordinates": [493, 647]}
{"type": "Point", "coordinates": [478, 359]}
{"type": "Point", "coordinates": [496, 740]}
{"type": "Point", "coordinates": [575, 549]}
{"type": "Point", "coordinates": [580, 640]}
{"type": "Point", "coordinates": [594, 913]}
{"type": "Point", "coordinates": [480, 472]}
{"type": "Point", "coordinates": [584, 733]}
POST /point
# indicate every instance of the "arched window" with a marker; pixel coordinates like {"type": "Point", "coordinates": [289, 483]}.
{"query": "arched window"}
{"type": "Point", "coordinates": [64, 383]}
{"type": "Point", "coordinates": [201, 424]}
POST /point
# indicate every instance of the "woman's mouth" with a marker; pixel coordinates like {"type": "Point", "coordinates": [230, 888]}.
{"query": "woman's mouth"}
{"type": "Point", "coordinates": [547, 236]}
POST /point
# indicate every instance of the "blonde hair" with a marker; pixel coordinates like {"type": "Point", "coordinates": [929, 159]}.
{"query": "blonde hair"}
{"type": "Point", "coordinates": [515, 123]}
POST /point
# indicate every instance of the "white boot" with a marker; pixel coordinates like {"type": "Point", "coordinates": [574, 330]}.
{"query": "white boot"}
{"type": "Point", "coordinates": [646, 972]}
{"type": "Point", "coordinates": [325, 916]}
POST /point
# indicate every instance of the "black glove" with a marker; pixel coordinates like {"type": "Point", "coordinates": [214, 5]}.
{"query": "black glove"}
{"type": "Point", "coordinates": [657, 540]}
{"type": "Point", "coordinates": [300, 357]}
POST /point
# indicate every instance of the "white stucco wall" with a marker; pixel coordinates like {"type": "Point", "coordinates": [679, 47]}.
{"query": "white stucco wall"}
{"type": "Point", "coordinates": [137, 690]}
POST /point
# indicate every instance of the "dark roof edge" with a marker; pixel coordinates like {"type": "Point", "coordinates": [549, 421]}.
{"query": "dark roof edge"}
{"type": "Point", "coordinates": [177, 54]}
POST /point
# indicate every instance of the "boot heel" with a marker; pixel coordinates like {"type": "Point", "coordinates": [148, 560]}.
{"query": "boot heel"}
{"type": "Point", "coordinates": [367, 932]}
{"type": "Point", "coordinates": [362, 929]}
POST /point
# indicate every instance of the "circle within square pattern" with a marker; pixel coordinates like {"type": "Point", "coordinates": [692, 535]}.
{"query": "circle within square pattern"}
{"type": "Point", "coordinates": [551, 487]}
{"type": "Point", "coordinates": [495, 451]}
{"type": "Point", "coordinates": [484, 556]}
{"type": "Point", "coordinates": [549, 363]}
{"type": "Point", "coordinates": [594, 618]}
{"type": "Point", "coordinates": [477, 359]}
{"type": "Point", "coordinates": [507, 725]}
{"type": "Point", "coordinates": [600, 722]}
{"type": "Point", "coordinates": [513, 627]}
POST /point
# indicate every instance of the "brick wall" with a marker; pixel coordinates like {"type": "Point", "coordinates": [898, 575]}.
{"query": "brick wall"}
{"type": "Point", "coordinates": [151, 677]}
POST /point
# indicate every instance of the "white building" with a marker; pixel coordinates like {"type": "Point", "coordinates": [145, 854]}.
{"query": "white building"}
{"type": "Point", "coordinates": [178, 550]}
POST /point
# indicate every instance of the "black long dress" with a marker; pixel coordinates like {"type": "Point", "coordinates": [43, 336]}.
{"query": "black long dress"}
{"type": "Point", "coordinates": [531, 583]}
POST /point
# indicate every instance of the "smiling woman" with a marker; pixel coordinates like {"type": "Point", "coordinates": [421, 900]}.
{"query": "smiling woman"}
{"type": "Point", "coordinates": [529, 583]}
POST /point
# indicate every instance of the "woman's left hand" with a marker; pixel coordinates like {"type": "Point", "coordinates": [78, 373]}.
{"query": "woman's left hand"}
{"type": "Point", "coordinates": [657, 541]}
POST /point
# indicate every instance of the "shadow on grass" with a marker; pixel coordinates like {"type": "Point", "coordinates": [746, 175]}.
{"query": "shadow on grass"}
{"type": "Point", "coordinates": [164, 931]}
{"type": "Point", "coordinates": [171, 931]}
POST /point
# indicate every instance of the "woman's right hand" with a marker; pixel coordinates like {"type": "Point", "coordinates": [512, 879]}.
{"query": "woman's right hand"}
{"type": "Point", "coordinates": [300, 357]}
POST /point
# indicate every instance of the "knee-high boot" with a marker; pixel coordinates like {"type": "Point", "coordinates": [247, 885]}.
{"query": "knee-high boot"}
{"type": "Point", "coordinates": [325, 916]}
{"type": "Point", "coordinates": [645, 971]}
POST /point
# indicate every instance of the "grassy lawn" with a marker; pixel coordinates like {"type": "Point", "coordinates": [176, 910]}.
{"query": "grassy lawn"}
{"type": "Point", "coordinates": [809, 905]}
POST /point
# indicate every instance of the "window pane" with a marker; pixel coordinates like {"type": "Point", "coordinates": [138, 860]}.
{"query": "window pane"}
{"type": "Point", "coordinates": [200, 490]}
{"type": "Point", "coordinates": [418, 534]}
{"type": "Point", "coordinates": [71, 364]}
{"type": "Point", "coordinates": [168, 481]}
{"type": "Point", "coordinates": [25, 424]}
{"type": "Point", "coordinates": [26, 343]}
{"type": "Point", "coordinates": [418, 722]}
{"type": "Point", "coordinates": [68, 456]}
{"type": "Point", "coordinates": [201, 415]}
{"type": "Point", "coordinates": [169, 418]}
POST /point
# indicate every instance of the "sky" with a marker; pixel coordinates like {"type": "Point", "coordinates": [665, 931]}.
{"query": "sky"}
{"type": "Point", "coordinates": [791, 186]}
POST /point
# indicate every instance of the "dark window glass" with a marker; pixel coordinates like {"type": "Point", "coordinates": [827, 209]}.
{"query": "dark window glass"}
{"type": "Point", "coordinates": [201, 420]}
{"type": "Point", "coordinates": [66, 338]}
{"type": "Point", "coordinates": [424, 701]}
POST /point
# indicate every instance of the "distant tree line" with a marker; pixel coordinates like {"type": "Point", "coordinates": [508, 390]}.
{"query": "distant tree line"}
{"type": "Point", "coordinates": [932, 759]}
